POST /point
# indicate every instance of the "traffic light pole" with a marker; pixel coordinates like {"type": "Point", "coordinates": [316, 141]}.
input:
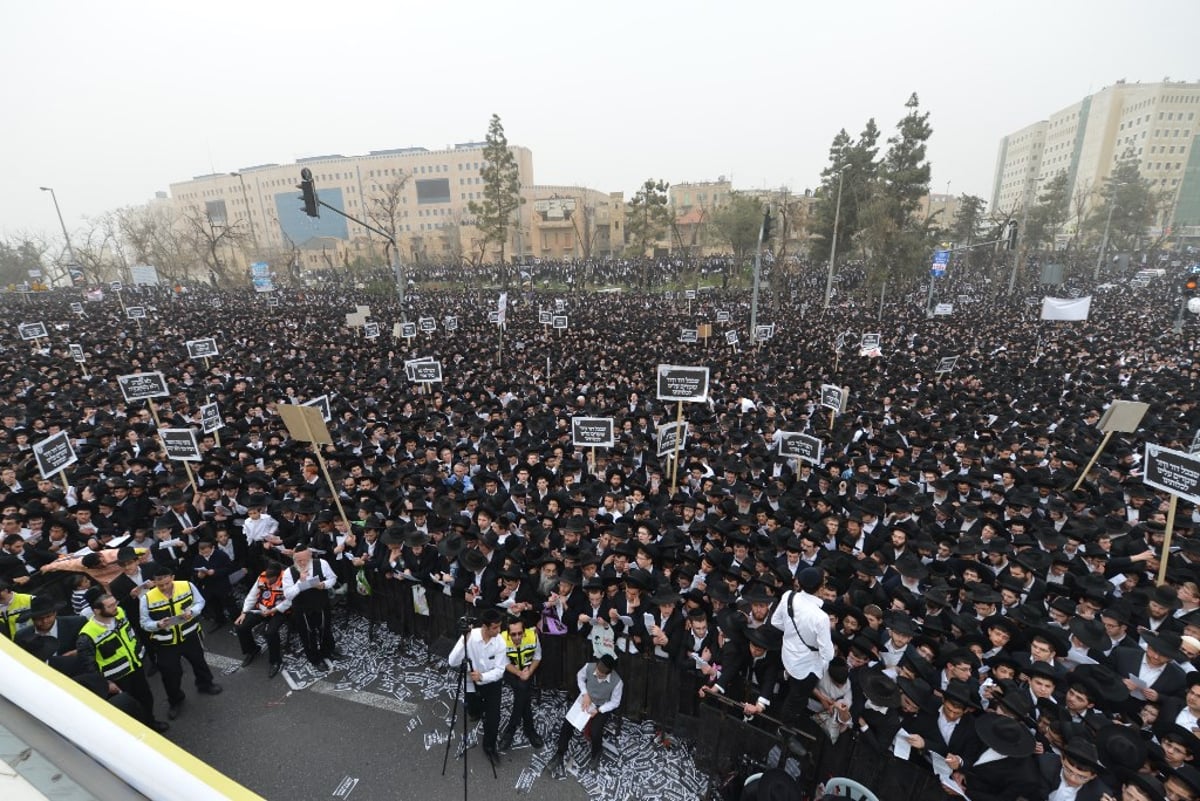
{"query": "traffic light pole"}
{"type": "Point", "coordinates": [757, 271]}
{"type": "Point", "coordinates": [396, 267]}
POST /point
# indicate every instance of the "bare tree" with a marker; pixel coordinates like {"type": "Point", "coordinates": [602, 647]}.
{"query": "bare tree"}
{"type": "Point", "coordinates": [155, 235]}
{"type": "Point", "coordinates": [385, 203]}
{"type": "Point", "coordinates": [97, 251]}
{"type": "Point", "coordinates": [209, 236]}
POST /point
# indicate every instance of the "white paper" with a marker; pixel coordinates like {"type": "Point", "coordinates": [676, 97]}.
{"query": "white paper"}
{"type": "Point", "coordinates": [1139, 685]}
{"type": "Point", "coordinates": [900, 746]}
{"type": "Point", "coordinates": [576, 715]}
{"type": "Point", "coordinates": [940, 768]}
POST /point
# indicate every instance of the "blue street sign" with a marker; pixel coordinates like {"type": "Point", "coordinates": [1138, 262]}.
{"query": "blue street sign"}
{"type": "Point", "coordinates": [941, 258]}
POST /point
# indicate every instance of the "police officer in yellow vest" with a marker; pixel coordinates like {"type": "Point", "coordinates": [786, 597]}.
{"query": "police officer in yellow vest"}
{"type": "Point", "coordinates": [524, 653]}
{"type": "Point", "coordinates": [12, 604]}
{"type": "Point", "coordinates": [108, 645]}
{"type": "Point", "coordinates": [170, 614]}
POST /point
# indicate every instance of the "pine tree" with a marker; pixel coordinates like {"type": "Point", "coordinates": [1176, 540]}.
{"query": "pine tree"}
{"type": "Point", "coordinates": [501, 192]}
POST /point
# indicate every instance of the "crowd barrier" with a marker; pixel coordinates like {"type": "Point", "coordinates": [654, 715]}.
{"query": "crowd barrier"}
{"type": "Point", "coordinates": [726, 744]}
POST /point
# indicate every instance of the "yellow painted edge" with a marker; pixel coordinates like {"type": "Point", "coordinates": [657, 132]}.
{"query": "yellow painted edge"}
{"type": "Point", "coordinates": [202, 771]}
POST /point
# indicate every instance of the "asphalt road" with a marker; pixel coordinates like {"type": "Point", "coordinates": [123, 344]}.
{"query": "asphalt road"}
{"type": "Point", "coordinates": [348, 734]}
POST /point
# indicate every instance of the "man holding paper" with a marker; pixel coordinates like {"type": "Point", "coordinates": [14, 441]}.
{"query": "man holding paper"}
{"type": "Point", "coordinates": [600, 691]}
{"type": "Point", "coordinates": [170, 614]}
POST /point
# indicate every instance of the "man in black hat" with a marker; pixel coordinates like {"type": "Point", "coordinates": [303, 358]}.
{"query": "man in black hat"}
{"type": "Point", "coordinates": [1075, 774]}
{"type": "Point", "coordinates": [1156, 668]}
{"type": "Point", "coordinates": [600, 693]}
{"type": "Point", "coordinates": [52, 637]}
{"type": "Point", "coordinates": [1006, 770]}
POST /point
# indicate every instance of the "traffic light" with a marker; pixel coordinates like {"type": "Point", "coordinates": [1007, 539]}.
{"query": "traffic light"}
{"type": "Point", "coordinates": [1010, 236]}
{"type": "Point", "coordinates": [308, 193]}
{"type": "Point", "coordinates": [1190, 285]}
{"type": "Point", "coordinates": [766, 226]}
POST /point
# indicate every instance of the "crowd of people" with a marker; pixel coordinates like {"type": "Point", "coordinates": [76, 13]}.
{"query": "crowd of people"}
{"type": "Point", "coordinates": [948, 593]}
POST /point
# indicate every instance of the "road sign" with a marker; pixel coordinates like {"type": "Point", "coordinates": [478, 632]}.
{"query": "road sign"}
{"type": "Point", "coordinates": [941, 260]}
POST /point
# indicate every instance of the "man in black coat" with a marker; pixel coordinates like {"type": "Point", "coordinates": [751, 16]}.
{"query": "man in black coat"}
{"type": "Point", "coordinates": [1006, 770]}
{"type": "Point", "coordinates": [51, 638]}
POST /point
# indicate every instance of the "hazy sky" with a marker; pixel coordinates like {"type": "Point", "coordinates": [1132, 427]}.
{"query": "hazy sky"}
{"type": "Point", "coordinates": [109, 102]}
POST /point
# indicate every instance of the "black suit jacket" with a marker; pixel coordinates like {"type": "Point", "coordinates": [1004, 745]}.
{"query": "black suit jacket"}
{"type": "Point", "coordinates": [1172, 681]}
{"type": "Point", "coordinates": [1005, 779]}
{"type": "Point", "coordinates": [44, 648]}
{"type": "Point", "coordinates": [1050, 767]}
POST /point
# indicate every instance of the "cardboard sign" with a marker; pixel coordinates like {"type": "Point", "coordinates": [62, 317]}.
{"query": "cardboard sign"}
{"type": "Point", "coordinates": [943, 309]}
{"type": "Point", "coordinates": [180, 444]}
{"type": "Point", "coordinates": [763, 333]}
{"type": "Point", "coordinates": [870, 341]}
{"type": "Point", "coordinates": [1172, 471]}
{"type": "Point", "coordinates": [304, 423]}
{"type": "Point", "coordinates": [201, 348]}
{"type": "Point", "coordinates": [365, 311]}
{"type": "Point", "coordinates": [494, 317]}
{"type": "Point", "coordinates": [54, 454]}
{"type": "Point", "coordinates": [32, 330]}
{"type": "Point", "coordinates": [371, 331]}
{"type": "Point", "coordinates": [115, 286]}
{"type": "Point", "coordinates": [545, 317]}
{"type": "Point", "coordinates": [321, 404]}
{"type": "Point", "coordinates": [272, 301]}
{"type": "Point", "coordinates": [946, 364]}
{"type": "Point", "coordinates": [689, 335]}
{"type": "Point", "coordinates": [141, 386]}
{"type": "Point", "coordinates": [1123, 417]}
{"type": "Point", "coordinates": [77, 307]}
{"type": "Point", "coordinates": [355, 320]}
{"type": "Point", "coordinates": [682, 383]}
{"type": "Point", "coordinates": [210, 418]}
{"type": "Point", "coordinates": [722, 316]}
{"type": "Point", "coordinates": [668, 433]}
{"type": "Point", "coordinates": [408, 330]}
{"type": "Point", "coordinates": [560, 321]}
{"type": "Point", "coordinates": [690, 294]}
{"type": "Point", "coordinates": [427, 325]}
{"type": "Point", "coordinates": [450, 323]}
{"type": "Point", "coordinates": [427, 372]}
{"type": "Point", "coordinates": [77, 353]}
{"type": "Point", "coordinates": [705, 330]}
{"type": "Point", "coordinates": [800, 446]}
{"type": "Point", "coordinates": [136, 312]}
{"type": "Point", "coordinates": [833, 397]}
{"type": "Point", "coordinates": [592, 432]}
{"type": "Point", "coordinates": [731, 337]}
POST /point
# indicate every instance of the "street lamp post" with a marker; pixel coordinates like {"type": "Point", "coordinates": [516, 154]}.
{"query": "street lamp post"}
{"type": "Point", "coordinates": [1103, 242]}
{"type": "Point", "coordinates": [63, 225]}
{"type": "Point", "coordinates": [837, 213]}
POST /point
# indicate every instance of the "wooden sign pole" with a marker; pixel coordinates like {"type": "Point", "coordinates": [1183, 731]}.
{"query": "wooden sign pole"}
{"type": "Point", "coordinates": [1166, 549]}
{"type": "Point", "coordinates": [675, 456]}
{"type": "Point", "coordinates": [1092, 461]}
{"type": "Point", "coordinates": [191, 478]}
{"type": "Point", "coordinates": [325, 471]}
{"type": "Point", "coordinates": [66, 487]}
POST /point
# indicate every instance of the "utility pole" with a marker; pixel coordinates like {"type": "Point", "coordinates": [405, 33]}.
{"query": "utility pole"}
{"type": "Point", "coordinates": [1016, 240]}
{"type": "Point", "coordinates": [837, 213]}
{"type": "Point", "coordinates": [1103, 242]}
{"type": "Point", "coordinates": [764, 232]}
{"type": "Point", "coordinates": [63, 225]}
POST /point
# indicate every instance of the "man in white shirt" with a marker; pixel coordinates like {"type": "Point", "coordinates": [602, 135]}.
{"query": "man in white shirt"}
{"type": "Point", "coordinates": [807, 643]}
{"type": "Point", "coordinates": [306, 586]}
{"type": "Point", "coordinates": [487, 659]}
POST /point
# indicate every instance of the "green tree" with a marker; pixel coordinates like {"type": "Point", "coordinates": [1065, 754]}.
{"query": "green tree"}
{"type": "Point", "coordinates": [737, 225]}
{"type": "Point", "coordinates": [902, 243]}
{"type": "Point", "coordinates": [968, 227]}
{"type": "Point", "coordinates": [1049, 214]}
{"type": "Point", "coordinates": [853, 163]}
{"type": "Point", "coordinates": [1132, 202]}
{"type": "Point", "coordinates": [647, 217]}
{"type": "Point", "coordinates": [501, 192]}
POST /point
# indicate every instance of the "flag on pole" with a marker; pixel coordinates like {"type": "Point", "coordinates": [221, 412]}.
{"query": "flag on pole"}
{"type": "Point", "coordinates": [1066, 308]}
{"type": "Point", "coordinates": [501, 308]}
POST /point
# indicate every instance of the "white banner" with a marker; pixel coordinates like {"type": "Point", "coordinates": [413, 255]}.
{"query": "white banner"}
{"type": "Point", "coordinates": [1066, 308]}
{"type": "Point", "coordinates": [502, 308]}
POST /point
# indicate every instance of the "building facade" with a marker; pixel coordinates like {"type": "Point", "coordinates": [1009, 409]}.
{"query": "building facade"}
{"type": "Point", "coordinates": [1155, 123]}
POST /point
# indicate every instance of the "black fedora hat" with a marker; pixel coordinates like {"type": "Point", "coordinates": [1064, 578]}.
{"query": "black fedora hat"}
{"type": "Point", "coordinates": [1082, 752]}
{"type": "Point", "coordinates": [961, 693]}
{"type": "Point", "coordinates": [473, 559]}
{"type": "Point", "coordinates": [881, 690]}
{"type": "Point", "coordinates": [40, 605]}
{"type": "Point", "coordinates": [1121, 747]}
{"type": "Point", "coordinates": [1166, 643]}
{"type": "Point", "coordinates": [1004, 735]}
